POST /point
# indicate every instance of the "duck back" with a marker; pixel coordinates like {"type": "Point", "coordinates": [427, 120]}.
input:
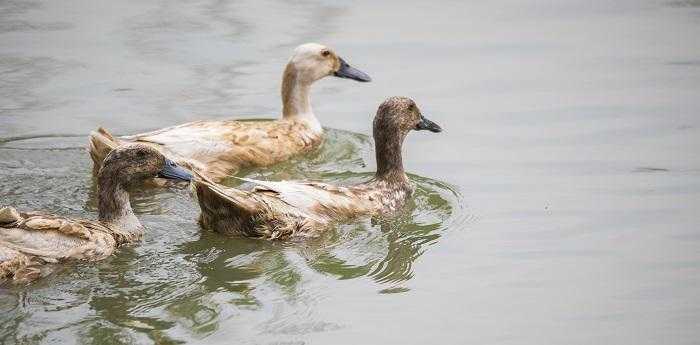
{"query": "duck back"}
{"type": "Point", "coordinates": [34, 239]}
{"type": "Point", "coordinates": [218, 149]}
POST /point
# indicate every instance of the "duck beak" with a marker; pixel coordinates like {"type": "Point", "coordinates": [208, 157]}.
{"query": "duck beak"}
{"type": "Point", "coordinates": [426, 124]}
{"type": "Point", "coordinates": [346, 71]}
{"type": "Point", "coordinates": [175, 172]}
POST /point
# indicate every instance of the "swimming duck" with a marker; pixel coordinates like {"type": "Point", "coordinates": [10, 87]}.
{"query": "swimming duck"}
{"type": "Point", "coordinates": [29, 241]}
{"type": "Point", "coordinates": [277, 210]}
{"type": "Point", "coordinates": [219, 148]}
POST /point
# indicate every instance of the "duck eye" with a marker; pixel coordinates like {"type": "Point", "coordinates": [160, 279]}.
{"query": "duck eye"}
{"type": "Point", "coordinates": [325, 53]}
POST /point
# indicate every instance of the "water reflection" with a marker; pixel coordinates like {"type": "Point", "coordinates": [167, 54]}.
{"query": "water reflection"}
{"type": "Point", "coordinates": [394, 243]}
{"type": "Point", "coordinates": [383, 250]}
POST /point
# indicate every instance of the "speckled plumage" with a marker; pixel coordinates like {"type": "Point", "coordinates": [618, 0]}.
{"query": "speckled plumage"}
{"type": "Point", "coordinates": [218, 149]}
{"type": "Point", "coordinates": [278, 210]}
{"type": "Point", "coordinates": [34, 239]}
{"type": "Point", "coordinates": [29, 241]}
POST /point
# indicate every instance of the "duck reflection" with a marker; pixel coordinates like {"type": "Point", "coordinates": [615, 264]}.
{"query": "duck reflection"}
{"type": "Point", "coordinates": [242, 273]}
{"type": "Point", "coordinates": [389, 254]}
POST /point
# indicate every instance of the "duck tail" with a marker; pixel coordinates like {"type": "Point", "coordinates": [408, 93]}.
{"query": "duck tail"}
{"type": "Point", "coordinates": [224, 209]}
{"type": "Point", "coordinates": [101, 144]}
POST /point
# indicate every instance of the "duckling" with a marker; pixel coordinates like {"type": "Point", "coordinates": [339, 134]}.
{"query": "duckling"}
{"type": "Point", "coordinates": [29, 241]}
{"type": "Point", "coordinates": [218, 149]}
{"type": "Point", "coordinates": [278, 210]}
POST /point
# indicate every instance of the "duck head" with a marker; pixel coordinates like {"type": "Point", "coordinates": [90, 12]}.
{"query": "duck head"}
{"type": "Point", "coordinates": [125, 166]}
{"type": "Point", "coordinates": [134, 163]}
{"type": "Point", "coordinates": [400, 115]}
{"type": "Point", "coordinates": [313, 61]}
{"type": "Point", "coordinates": [309, 63]}
{"type": "Point", "coordinates": [395, 118]}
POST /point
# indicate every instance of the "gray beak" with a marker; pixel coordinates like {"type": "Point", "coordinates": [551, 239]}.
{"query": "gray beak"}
{"type": "Point", "coordinates": [174, 172]}
{"type": "Point", "coordinates": [426, 124]}
{"type": "Point", "coordinates": [349, 72]}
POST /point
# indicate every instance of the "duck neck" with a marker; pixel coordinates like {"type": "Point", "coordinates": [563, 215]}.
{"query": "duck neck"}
{"type": "Point", "coordinates": [115, 209]}
{"type": "Point", "coordinates": [388, 155]}
{"type": "Point", "coordinates": [296, 99]}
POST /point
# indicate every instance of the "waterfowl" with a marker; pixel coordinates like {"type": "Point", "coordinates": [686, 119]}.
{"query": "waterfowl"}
{"type": "Point", "coordinates": [218, 149]}
{"type": "Point", "coordinates": [29, 241]}
{"type": "Point", "coordinates": [277, 210]}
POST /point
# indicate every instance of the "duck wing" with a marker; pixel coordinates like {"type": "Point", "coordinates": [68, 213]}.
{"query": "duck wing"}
{"type": "Point", "coordinates": [315, 197]}
{"type": "Point", "coordinates": [200, 138]}
{"type": "Point", "coordinates": [236, 211]}
{"type": "Point", "coordinates": [216, 148]}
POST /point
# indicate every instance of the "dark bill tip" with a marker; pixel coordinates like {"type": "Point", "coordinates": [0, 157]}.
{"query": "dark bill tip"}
{"type": "Point", "coordinates": [174, 172]}
{"type": "Point", "coordinates": [349, 72]}
{"type": "Point", "coordinates": [427, 125]}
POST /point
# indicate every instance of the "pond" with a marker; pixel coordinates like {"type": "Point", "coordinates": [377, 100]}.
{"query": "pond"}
{"type": "Point", "coordinates": [560, 204]}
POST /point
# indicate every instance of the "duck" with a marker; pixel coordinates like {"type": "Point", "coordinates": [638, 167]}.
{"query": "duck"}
{"type": "Point", "coordinates": [296, 209]}
{"type": "Point", "coordinates": [218, 149]}
{"type": "Point", "coordinates": [31, 241]}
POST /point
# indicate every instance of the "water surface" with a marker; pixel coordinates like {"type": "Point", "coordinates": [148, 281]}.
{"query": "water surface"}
{"type": "Point", "coordinates": [560, 205]}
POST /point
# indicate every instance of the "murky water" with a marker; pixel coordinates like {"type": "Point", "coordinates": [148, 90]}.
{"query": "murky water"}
{"type": "Point", "coordinates": [559, 206]}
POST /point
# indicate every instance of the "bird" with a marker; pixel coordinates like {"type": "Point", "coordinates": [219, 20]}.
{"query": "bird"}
{"type": "Point", "coordinates": [296, 209]}
{"type": "Point", "coordinates": [220, 148]}
{"type": "Point", "coordinates": [31, 241]}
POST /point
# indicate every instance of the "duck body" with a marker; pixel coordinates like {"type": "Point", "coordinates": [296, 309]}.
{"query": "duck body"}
{"type": "Point", "coordinates": [279, 210]}
{"type": "Point", "coordinates": [218, 149]}
{"type": "Point", "coordinates": [31, 241]}
{"type": "Point", "coordinates": [284, 209]}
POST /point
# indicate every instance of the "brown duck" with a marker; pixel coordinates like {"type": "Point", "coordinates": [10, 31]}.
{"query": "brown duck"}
{"type": "Point", "coordinates": [276, 210]}
{"type": "Point", "coordinates": [29, 241]}
{"type": "Point", "coordinates": [218, 149]}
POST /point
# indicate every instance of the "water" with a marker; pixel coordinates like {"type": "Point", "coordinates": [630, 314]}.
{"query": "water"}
{"type": "Point", "coordinates": [560, 205]}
